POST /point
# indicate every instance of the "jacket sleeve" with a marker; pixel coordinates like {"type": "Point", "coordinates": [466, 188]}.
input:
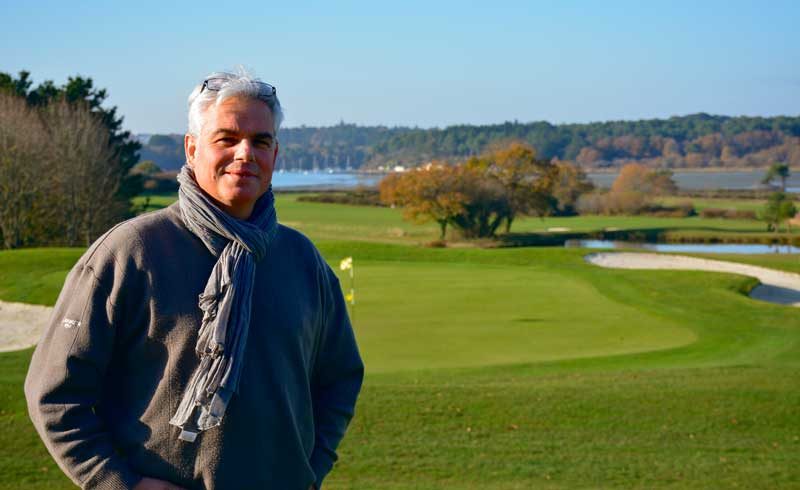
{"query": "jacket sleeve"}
{"type": "Point", "coordinates": [336, 380]}
{"type": "Point", "coordinates": [66, 375]}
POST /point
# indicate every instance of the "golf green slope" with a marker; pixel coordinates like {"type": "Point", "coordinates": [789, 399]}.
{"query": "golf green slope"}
{"type": "Point", "coordinates": [524, 368]}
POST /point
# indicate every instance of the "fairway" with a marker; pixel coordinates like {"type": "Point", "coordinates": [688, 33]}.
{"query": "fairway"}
{"type": "Point", "coordinates": [518, 368]}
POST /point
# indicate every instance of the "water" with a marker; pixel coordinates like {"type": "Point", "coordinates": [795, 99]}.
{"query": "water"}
{"type": "Point", "coordinates": [685, 180]}
{"type": "Point", "coordinates": [322, 179]}
{"type": "Point", "coordinates": [726, 248]}
{"type": "Point", "coordinates": [750, 179]}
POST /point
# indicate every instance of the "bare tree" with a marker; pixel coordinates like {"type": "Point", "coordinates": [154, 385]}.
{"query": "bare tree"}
{"type": "Point", "coordinates": [86, 173]}
{"type": "Point", "coordinates": [21, 171]}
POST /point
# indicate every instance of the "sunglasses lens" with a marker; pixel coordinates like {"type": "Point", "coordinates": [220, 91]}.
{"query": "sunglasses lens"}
{"type": "Point", "coordinates": [216, 84]}
{"type": "Point", "coordinates": [267, 90]}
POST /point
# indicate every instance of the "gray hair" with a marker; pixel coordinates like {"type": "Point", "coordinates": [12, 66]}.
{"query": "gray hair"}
{"type": "Point", "coordinates": [240, 84]}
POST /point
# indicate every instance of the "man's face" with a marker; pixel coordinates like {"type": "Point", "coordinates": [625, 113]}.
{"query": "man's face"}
{"type": "Point", "coordinates": [234, 155]}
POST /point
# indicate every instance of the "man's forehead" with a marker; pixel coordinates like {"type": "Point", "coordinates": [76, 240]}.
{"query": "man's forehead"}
{"type": "Point", "coordinates": [238, 115]}
{"type": "Point", "coordinates": [237, 131]}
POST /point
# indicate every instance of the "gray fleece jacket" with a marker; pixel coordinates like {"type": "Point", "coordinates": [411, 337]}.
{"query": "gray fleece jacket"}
{"type": "Point", "coordinates": [113, 364]}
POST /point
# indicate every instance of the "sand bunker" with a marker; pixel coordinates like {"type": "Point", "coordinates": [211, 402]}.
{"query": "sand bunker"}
{"type": "Point", "coordinates": [776, 286]}
{"type": "Point", "coordinates": [21, 325]}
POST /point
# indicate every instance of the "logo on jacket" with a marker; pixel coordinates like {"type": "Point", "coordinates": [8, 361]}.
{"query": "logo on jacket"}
{"type": "Point", "coordinates": [70, 323]}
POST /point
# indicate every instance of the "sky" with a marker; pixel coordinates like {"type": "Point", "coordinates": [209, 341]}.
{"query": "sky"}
{"type": "Point", "coordinates": [422, 63]}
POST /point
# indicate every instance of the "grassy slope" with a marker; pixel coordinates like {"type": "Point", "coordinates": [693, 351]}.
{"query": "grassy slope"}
{"type": "Point", "coordinates": [465, 388]}
{"type": "Point", "coordinates": [374, 224]}
{"type": "Point", "coordinates": [717, 203]}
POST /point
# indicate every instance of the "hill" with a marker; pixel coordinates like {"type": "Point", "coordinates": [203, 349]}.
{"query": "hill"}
{"type": "Point", "coordinates": [693, 141]}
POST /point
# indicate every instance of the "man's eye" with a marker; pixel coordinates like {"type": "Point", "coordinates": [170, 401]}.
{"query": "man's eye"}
{"type": "Point", "coordinates": [264, 143]}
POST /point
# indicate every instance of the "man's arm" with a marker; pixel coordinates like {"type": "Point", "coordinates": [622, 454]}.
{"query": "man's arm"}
{"type": "Point", "coordinates": [65, 380]}
{"type": "Point", "coordinates": [336, 380]}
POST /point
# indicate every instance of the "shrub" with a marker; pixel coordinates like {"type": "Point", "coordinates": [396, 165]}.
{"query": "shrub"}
{"type": "Point", "coordinates": [682, 210]}
{"type": "Point", "coordinates": [591, 203]}
{"type": "Point", "coordinates": [358, 197]}
{"type": "Point", "coordinates": [728, 213]}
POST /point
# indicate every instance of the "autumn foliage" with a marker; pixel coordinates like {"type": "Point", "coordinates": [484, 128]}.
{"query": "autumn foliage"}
{"type": "Point", "coordinates": [631, 192]}
{"type": "Point", "coordinates": [426, 194]}
{"type": "Point", "coordinates": [482, 194]}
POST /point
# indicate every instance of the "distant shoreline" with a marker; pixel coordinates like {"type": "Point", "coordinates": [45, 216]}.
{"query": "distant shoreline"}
{"type": "Point", "coordinates": [687, 170]}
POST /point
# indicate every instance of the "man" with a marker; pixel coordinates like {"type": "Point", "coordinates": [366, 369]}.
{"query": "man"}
{"type": "Point", "coordinates": [138, 384]}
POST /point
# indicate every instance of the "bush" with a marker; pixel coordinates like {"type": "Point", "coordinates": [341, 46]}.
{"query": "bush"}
{"type": "Point", "coordinates": [436, 244]}
{"type": "Point", "coordinates": [591, 203]}
{"type": "Point", "coordinates": [728, 213]}
{"type": "Point", "coordinates": [624, 202]}
{"type": "Point", "coordinates": [630, 203]}
{"type": "Point", "coordinates": [358, 197]}
{"type": "Point", "coordinates": [682, 210]}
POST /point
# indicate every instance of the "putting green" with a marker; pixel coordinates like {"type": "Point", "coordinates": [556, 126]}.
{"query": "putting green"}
{"type": "Point", "coordinates": [420, 315]}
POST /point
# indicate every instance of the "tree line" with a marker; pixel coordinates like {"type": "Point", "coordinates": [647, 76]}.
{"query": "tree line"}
{"type": "Point", "coordinates": [344, 146]}
{"type": "Point", "coordinates": [64, 163]}
{"type": "Point", "coordinates": [694, 141]}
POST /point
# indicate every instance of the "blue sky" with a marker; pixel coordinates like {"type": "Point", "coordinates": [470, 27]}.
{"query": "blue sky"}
{"type": "Point", "coordinates": [423, 63]}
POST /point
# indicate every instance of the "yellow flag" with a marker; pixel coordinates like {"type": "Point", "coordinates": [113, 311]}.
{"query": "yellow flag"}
{"type": "Point", "coordinates": [346, 263]}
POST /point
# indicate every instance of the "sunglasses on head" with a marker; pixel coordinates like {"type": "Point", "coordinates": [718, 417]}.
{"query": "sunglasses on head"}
{"type": "Point", "coordinates": [217, 83]}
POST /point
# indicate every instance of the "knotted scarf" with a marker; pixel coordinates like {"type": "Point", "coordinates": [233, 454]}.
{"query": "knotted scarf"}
{"type": "Point", "coordinates": [225, 302]}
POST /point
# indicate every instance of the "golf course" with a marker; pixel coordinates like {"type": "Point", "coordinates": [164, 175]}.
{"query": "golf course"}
{"type": "Point", "coordinates": [518, 368]}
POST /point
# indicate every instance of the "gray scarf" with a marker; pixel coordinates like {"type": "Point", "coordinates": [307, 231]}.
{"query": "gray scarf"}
{"type": "Point", "coordinates": [225, 303]}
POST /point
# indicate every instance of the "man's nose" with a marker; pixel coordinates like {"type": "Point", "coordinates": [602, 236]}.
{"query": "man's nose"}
{"type": "Point", "coordinates": [244, 151]}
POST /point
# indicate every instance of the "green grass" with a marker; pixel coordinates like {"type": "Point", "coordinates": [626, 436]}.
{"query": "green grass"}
{"type": "Point", "coordinates": [716, 203]}
{"type": "Point", "coordinates": [375, 224]}
{"type": "Point", "coordinates": [146, 203]}
{"type": "Point", "coordinates": [519, 368]}
{"type": "Point", "coordinates": [35, 275]}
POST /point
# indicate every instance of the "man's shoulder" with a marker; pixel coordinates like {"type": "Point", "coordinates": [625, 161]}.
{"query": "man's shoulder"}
{"type": "Point", "coordinates": [290, 237]}
{"type": "Point", "coordinates": [295, 243]}
{"type": "Point", "coordinates": [130, 238]}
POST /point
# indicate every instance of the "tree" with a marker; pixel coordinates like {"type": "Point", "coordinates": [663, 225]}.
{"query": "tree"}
{"type": "Point", "coordinates": [459, 195]}
{"type": "Point", "coordinates": [64, 163]}
{"type": "Point", "coordinates": [146, 167]}
{"type": "Point", "coordinates": [85, 196]}
{"type": "Point", "coordinates": [485, 202]}
{"type": "Point", "coordinates": [478, 196]}
{"type": "Point", "coordinates": [79, 89]}
{"type": "Point", "coordinates": [428, 193]}
{"type": "Point", "coordinates": [163, 140]}
{"type": "Point", "coordinates": [571, 183]}
{"type": "Point", "coordinates": [22, 148]}
{"type": "Point", "coordinates": [777, 171]}
{"type": "Point", "coordinates": [527, 182]}
{"type": "Point", "coordinates": [635, 177]}
{"type": "Point", "coordinates": [779, 208]}
{"type": "Point", "coordinates": [631, 191]}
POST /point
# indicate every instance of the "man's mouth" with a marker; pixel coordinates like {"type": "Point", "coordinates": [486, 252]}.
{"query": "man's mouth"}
{"type": "Point", "coordinates": [241, 173]}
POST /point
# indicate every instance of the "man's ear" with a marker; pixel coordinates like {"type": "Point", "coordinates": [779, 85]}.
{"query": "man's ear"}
{"type": "Point", "coordinates": [277, 146]}
{"type": "Point", "coordinates": [190, 148]}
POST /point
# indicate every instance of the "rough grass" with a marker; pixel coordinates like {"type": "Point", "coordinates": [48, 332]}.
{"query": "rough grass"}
{"type": "Point", "coordinates": [521, 368]}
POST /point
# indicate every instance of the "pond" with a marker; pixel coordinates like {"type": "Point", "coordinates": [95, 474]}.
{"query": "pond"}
{"type": "Point", "coordinates": [722, 248]}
